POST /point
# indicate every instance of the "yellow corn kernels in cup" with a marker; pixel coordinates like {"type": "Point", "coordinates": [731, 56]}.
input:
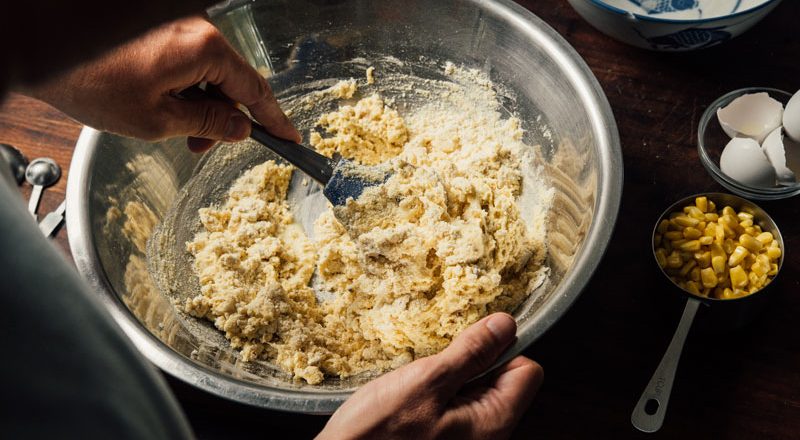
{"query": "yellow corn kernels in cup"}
{"type": "Point", "coordinates": [721, 254]}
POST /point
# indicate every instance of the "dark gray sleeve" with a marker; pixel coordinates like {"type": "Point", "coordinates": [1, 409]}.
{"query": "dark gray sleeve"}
{"type": "Point", "coordinates": [67, 370]}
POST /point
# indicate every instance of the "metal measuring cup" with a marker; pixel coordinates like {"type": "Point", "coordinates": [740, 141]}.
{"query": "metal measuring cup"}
{"type": "Point", "coordinates": [649, 413]}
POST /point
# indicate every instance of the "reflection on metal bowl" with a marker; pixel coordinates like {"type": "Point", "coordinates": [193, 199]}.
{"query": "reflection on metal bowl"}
{"type": "Point", "coordinates": [119, 188]}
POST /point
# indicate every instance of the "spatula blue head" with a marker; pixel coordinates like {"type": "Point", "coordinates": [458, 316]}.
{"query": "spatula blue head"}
{"type": "Point", "coordinates": [341, 180]}
{"type": "Point", "coordinates": [349, 180]}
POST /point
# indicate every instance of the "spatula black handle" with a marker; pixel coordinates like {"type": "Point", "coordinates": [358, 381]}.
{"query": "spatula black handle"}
{"type": "Point", "coordinates": [317, 166]}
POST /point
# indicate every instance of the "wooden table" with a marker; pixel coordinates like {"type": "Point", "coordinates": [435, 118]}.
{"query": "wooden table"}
{"type": "Point", "coordinates": [738, 384]}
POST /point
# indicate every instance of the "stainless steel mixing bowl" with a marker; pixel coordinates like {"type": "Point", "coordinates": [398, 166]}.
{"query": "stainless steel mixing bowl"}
{"type": "Point", "coordinates": [540, 77]}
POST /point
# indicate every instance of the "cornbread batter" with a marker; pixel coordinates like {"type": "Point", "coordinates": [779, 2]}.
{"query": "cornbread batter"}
{"type": "Point", "coordinates": [369, 132]}
{"type": "Point", "coordinates": [438, 246]}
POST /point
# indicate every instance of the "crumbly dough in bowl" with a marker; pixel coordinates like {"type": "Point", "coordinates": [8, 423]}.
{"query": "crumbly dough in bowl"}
{"type": "Point", "coordinates": [441, 244]}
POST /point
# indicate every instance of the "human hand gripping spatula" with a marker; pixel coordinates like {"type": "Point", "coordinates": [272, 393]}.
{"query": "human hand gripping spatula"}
{"type": "Point", "coordinates": [341, 180]}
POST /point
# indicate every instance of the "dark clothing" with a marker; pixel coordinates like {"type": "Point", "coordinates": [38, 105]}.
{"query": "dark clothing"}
{"type": "Point", "coordinates": [67, 370]}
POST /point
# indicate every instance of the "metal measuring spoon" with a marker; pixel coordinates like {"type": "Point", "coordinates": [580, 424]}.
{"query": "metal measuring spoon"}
{"type": "Point", "coordinates": [41, 173]}
{"type": "Point", "coordinates": [649, 413]}
{"type": "Point", "coordinates": [16, 160]}
{"type": "Point", "coordinates": [51, 222]}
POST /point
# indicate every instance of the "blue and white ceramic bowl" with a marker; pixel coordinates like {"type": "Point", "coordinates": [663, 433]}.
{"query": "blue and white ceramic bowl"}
{"type": "Point", "coordinates": [673, 25]}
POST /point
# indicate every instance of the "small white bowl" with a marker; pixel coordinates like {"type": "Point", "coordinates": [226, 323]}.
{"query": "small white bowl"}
{"type": "Point", "coordinates": [673, 25]}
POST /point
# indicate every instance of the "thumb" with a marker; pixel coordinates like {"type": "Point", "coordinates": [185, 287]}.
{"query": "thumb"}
{"type": "Point", "coordinates": [477, 348]}
{"type": "Point", "coordinates": [209, 119]}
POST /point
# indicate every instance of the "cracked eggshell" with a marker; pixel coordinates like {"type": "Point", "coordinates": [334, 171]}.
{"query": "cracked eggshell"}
{"type": "Point", "coordinates": [744, 161]}
{"type": "Point", "coordinates": [791, 118]}
{"type": "Point", "coordinates": [754, 115]}
{"type": "Point", "coordinates": [773, 147]}
{"type": "Point", "coordinates": [792, 150]}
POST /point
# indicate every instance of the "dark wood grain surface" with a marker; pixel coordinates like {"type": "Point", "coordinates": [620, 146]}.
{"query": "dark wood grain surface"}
{"type": "Point", "coordinates": [732, 383]}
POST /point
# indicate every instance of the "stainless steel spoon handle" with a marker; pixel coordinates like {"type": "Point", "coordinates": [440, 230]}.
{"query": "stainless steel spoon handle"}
{"type": "Point", "coordinates": [33, 203]}
{"type": "Point", "coordinates": [648, 415]}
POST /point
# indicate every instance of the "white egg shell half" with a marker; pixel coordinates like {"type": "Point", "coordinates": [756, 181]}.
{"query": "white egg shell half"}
{"type": "Point", "coordinates": [792, 150]}
{"type": "Point", "coordinates": [773, 147]}
{"type": "Point", "coordinates": [754, 115]}
{"type": "Point", "coordinates": [791, 118]}
{"type": "Point", "coordinates": [744, 161]}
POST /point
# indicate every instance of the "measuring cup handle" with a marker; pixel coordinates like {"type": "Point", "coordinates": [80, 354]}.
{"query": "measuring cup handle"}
{"type": "Point", "coordinates": [648, 415]}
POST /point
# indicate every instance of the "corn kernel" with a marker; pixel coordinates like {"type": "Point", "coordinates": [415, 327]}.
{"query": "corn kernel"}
{"type": "Point", "coordinates": [708, 277]}
{"type": "Point", "coordinates": [729, 232]}
{"type": "Point", "coordinates": [691, 246]}
{"type": "Point", "coordinates": [673, 235]}
{"type": "Point", "coordinates": [728, 211]}
{"type": "Point", "coordinates": [752, 278]}
{"type": "Point", "coordinates": [750, 243]}
{"type": "Point", "coordinates": [719, 236]}
{"type": "Point", "coordinates": [718, 263]}
{"type": "Point", "coordinates": [692, 287]}
{"type": "Point", "coordinates": [694, 274]}
{"type": "Point", "coordinates": [687, 267]}
{"type": "Point", "coordinates": [773, 269]}
{"type": "Point", "coordinates": [692, 233]}
{"type": "Point", "coordinates": [661, 258]}
{"type": "Point", "coordinates": [758, 269]}
{"type": "Point", "coordinates": [738, 277]}
{"type": "Point", "coordinates": [728, 246]}
{"type": "Point", "coordinates": [674, 260]}
{"type": "Point", "coordinates": [712, 207]}
{"type": "Point", "coordinates": [737, 256]}
{"type": "Point", "coordinates": [703, 259]}
{"type": "Point", "coordinates": [744, 216]}
{"type": "Point", "coordinates": [765, 237]}
{"type": "Point", "coordinates": [750, 230]}
{"type": "Point", "coordinates": [684, 221]}
{"type": "Point", "coordinates": [695, 213]}
{"type": "Point", "coordinates": [705, 241]}
{"type": "Point", "coordinates": [701, 203]}
{"type": "Point", "coordinates": [711, 217]}
{"type": "Point", "coordinates": [746, 223]}
{"type": "Point", "coordinates": [727, 220]}
{"type": "Point", "coordinates": [727, 293]}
